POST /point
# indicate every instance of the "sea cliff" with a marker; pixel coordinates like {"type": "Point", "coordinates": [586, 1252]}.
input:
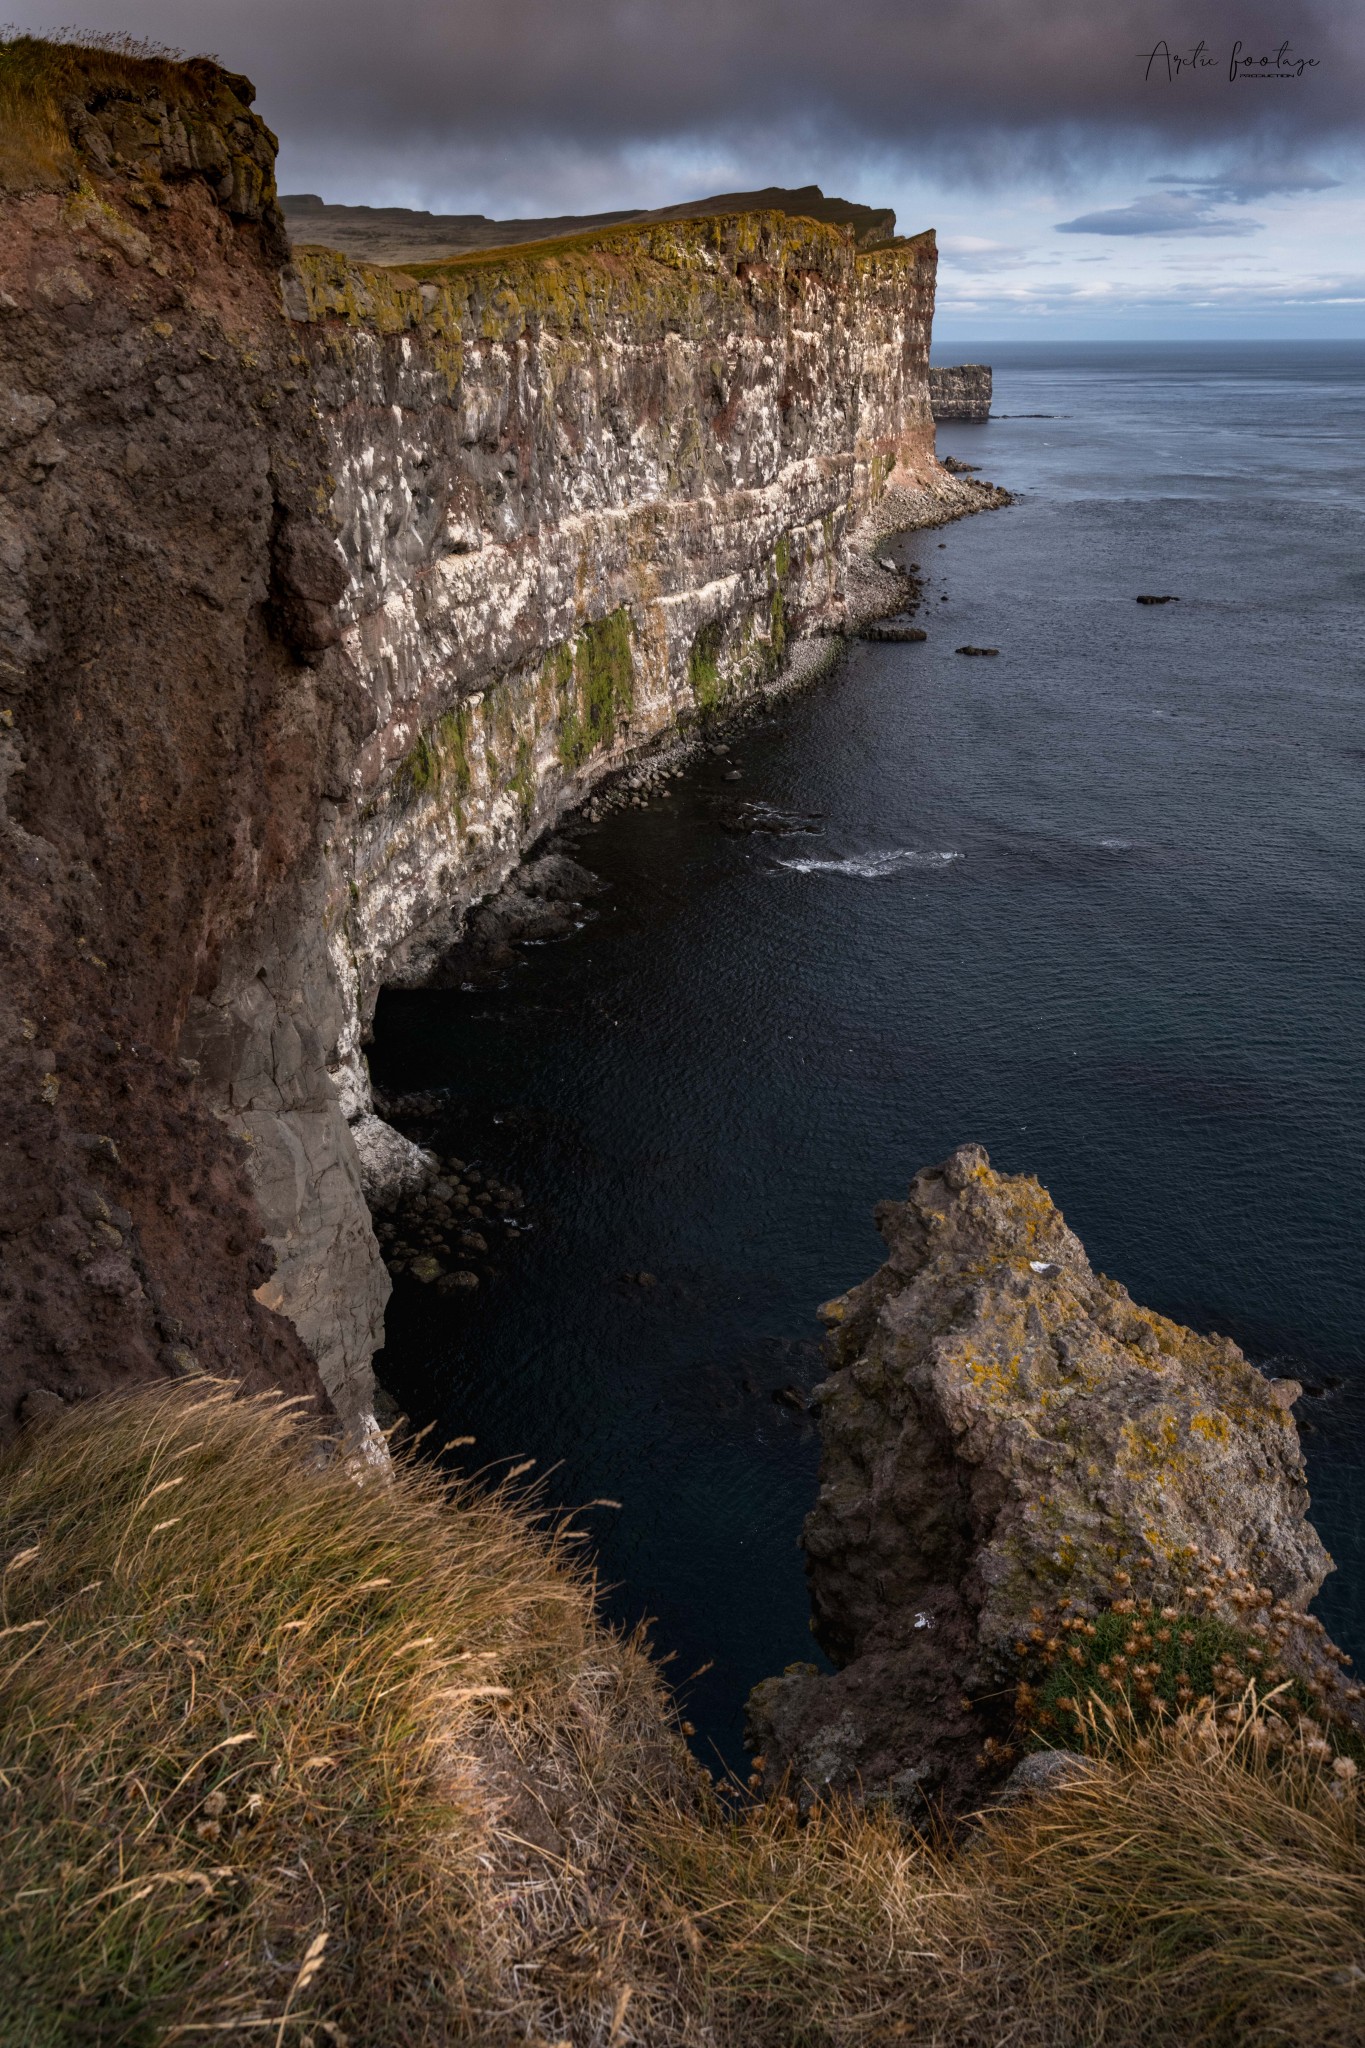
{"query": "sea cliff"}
{"type": "Point", "coordinates": [328, 588]}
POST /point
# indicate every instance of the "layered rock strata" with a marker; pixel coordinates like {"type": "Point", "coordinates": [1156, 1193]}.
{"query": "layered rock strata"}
{"type": "Point", "coordinates": [327, 589]}
{"type": "Point", "coordinates": [961, 392]}
{"type": "Point", "coordinates": [1004, 1429]}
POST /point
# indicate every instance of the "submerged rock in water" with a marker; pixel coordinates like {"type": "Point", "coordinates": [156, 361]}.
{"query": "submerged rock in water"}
{"type": "Point", "coordinates": [892, 629]}
{"type": "Point", "coordinates": [1004, 1429]}
{"type": "Point", "coordinates": [535, 906]}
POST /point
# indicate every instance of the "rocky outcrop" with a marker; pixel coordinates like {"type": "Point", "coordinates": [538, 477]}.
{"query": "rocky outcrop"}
{"type": "Point", "coordinates": [327, 590]}
{"type": "Point", "coordinates": [1004, 1429]}
{"type": "Point", "coordinates": [962, 392]}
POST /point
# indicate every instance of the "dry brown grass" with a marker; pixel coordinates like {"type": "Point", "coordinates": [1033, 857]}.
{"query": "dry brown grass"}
{"type": "Point", "coordinates": [1194, 1887]}
{"type": "Point", "coordinates": [39, 73]}
{"type": "Point", "coordinates": [287, 1758]}
{"type": "Point", "coordinates": [247, 1703]}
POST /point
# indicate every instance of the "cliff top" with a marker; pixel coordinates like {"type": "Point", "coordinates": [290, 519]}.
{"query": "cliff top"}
{"type": "Point", "coordinates": [48, 85]}
{"type": "Point", "coordinates": [109, 107]}
{"type": "Point", "coordinates": [397, 235]}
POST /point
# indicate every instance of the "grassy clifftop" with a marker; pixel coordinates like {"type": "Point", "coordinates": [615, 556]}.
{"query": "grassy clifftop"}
{"type": "Point", "coordinates": [287, 1758]}
{"type": "Point", "coordinates": [656, 270]}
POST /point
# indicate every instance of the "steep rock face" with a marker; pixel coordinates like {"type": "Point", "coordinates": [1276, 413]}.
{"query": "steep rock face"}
{"type": "Point", "coordinates": [962, 392]}
{"type": "Point", "coordinates": [161, 755]}
{"type": "Point", "coordinates": [582, 497]}
{"type": "Point", "coordinates": [327, 590]}
{"type": "Point", "coordinates": [1002, 1429]}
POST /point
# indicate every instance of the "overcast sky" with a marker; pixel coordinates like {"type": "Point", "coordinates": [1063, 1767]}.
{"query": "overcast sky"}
{"type": "Point", "coordinates": [1085, 176]}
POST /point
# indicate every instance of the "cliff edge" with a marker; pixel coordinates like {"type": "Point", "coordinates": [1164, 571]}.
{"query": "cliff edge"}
{"type": "Point", "coordinates": [328, 587]}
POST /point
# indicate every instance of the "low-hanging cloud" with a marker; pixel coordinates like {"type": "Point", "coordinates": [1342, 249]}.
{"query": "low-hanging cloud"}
{"type": "Point", "coordinates": [1163, 213]}
{"type": "Point", "coordinates": [1243, 185]}
{"type": "Point", "coordinates": [538, 90]}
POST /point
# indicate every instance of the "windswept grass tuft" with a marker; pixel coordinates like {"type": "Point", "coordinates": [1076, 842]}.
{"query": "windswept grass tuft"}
{"type": "Point", "coordinates": [1194, 1885]}
{"type": "Point", "coordinates": [250, 1707]}
{"type": "Point", "coordinates": [287, 1758]}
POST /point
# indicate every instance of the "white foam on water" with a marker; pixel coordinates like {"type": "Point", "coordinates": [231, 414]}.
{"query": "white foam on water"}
{"type": "Point", "coordinates": [871, 867]}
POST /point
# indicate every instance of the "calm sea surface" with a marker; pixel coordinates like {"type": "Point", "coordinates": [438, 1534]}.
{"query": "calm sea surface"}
{"type": "Point", "coordinates": [1099, 904]}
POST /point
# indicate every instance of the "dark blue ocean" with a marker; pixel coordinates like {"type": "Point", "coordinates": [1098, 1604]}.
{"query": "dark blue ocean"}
{"type": "Point", "coordinates": [1099, 904]}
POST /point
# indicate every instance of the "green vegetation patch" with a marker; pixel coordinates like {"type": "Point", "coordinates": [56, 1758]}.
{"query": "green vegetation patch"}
{"type": "Point", "coordinates": [522, 780]}
{"type": "Point", "coordinates": [777, 628]}
{"type": "Point", "coordinates": [594, 680]}
{"type": "Point", "coordinates": [1140, 1661]}
{"type": "Point", "coordinates": [440, 758]}
{"type": "Point", "coordinates": [703, 665]}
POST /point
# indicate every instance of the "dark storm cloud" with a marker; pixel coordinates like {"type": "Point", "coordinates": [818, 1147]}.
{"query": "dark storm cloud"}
{"type": "Point", "coordinates": [985, 83]}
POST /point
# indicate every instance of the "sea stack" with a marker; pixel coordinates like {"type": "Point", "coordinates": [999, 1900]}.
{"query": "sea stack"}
{"type": "Point", "coordinates": [961, 393]}
{"type": "Point", "coordinates": [1007, 1434]}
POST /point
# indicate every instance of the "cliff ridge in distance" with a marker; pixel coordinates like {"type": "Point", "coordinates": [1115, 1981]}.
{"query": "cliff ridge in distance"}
{"type": "Point", "coordinates": [401, 235]}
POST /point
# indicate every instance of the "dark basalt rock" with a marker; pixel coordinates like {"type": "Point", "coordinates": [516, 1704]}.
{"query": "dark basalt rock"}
{"type": "Point", "coordinates": [891, 629]}
{"type": "Point", "coordinates": [309, 578]}
{"type": "Point", "coordinates": [978, 650]}
{"type": "Point", "coordinates": [1158, 600]}
{"type": "Point", "coordinates": [536, 907]}
{"type": "Point", "coordinates": [961, 393]}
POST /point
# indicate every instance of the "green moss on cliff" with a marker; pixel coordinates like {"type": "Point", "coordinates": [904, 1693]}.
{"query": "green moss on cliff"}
{"type": "Point", "coordinates": [440, 758]}
{"type": "Point", "coordinates": [595, 686]}
{"type": "Point", "coordinates": [703, 666]}
{"type": "Point", "coordinates": [670, 273]}
{"type": "Point", "coordinates": [522, 781]}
